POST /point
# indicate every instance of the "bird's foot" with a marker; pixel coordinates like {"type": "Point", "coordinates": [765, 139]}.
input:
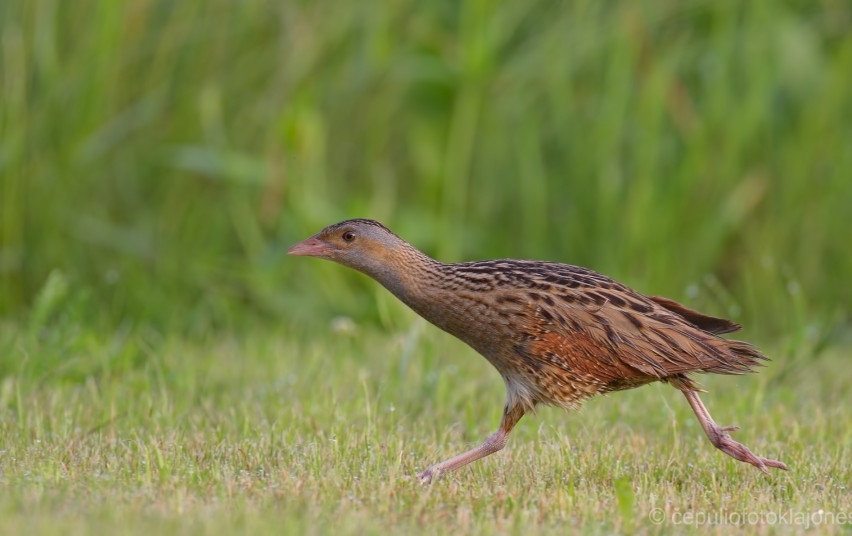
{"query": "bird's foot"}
{"type": "Point", "coordinates": [724, 442]}
{"type": "Point", "coordinates": [430, 475]}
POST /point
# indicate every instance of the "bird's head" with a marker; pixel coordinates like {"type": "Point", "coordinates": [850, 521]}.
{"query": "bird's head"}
{"type": "Point", "coordinates": [365, 245]}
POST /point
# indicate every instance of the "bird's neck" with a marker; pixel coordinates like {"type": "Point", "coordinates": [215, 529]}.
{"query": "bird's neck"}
{"type": "Point", "coordinates": [409, 274]}
{"type": "Point", "coordinates": [429, 288]}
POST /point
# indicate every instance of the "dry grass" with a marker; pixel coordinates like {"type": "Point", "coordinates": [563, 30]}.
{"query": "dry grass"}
{"type": "Point", "coordinates": [270, 433]}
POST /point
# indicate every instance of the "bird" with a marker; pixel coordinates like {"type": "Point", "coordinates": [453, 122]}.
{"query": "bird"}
{"type": "Point", "coordinates": [558, 334]}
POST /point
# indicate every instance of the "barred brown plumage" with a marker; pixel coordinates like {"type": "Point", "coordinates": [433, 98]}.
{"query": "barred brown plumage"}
{"type": "Point", "coordinates": [558, 334]}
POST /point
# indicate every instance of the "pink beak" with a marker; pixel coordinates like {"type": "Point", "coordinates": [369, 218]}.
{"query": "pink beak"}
{"type": "Point", "coordinates": [311, 247]}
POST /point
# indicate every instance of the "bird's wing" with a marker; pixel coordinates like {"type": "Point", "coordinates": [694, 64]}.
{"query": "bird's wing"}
{"type": "Point", "coordinates": [712, 324]}
{"type": "Point", "coordinates": [621, 338]}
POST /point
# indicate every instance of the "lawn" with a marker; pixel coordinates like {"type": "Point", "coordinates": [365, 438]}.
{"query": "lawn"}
{"type": "Point", "coordinates": [322, 431]}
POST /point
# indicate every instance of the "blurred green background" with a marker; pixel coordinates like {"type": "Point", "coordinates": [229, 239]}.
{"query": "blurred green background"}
{"type": "Point", "coordinates": [158, 157]}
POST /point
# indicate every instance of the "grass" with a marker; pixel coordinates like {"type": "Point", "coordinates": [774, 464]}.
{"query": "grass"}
{"type": "Point", "coordinates": [296, 433]}
{"type": "Point", "coordinates": [162, 155]}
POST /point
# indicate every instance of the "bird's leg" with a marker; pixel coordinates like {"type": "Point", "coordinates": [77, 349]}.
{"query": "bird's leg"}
{"type": "Point", "coordinates": [718, 435]}
{"type": "Point", "coordinates": [494, 443]}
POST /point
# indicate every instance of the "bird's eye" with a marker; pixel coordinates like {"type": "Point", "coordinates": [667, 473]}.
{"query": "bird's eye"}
{"type": "Point", "coordinates": [348, 236]}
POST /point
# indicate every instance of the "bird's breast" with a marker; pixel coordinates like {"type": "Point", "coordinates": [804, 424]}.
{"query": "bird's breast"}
{"type": "Point", "coordinates": [471, 317]}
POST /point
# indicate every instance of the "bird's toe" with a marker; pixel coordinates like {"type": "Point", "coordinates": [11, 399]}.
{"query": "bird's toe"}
{"type": "Point", "coordinates": [429, 475]}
